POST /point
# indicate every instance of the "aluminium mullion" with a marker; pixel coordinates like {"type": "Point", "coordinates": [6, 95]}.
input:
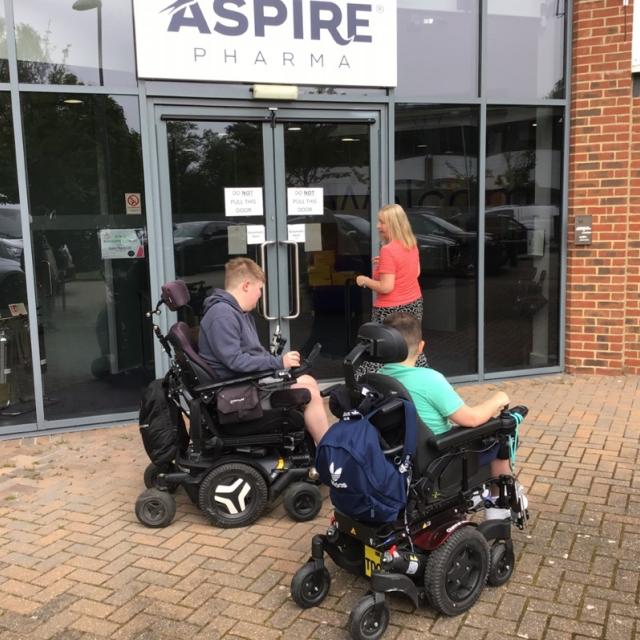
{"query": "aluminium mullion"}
{"type": "Point", "coordinates": [76, 88]}
{"type": "Point", "coordinates": [23, 194]}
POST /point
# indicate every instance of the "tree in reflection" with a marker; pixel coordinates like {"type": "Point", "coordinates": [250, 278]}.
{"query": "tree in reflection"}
{"type": "Point", "coordinates": [8, 178]}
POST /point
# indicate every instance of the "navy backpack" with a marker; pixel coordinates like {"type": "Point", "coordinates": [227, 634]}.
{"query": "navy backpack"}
{"type": "Point", "coordinates": [363, 483]}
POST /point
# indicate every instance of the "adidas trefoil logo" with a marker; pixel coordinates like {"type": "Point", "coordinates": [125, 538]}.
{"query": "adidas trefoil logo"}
{"type": "Point", "coordinates": [335, 476]}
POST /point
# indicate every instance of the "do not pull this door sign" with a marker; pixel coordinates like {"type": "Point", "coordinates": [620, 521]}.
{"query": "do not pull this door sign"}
{"type": "Point", "coordinates": [583, 230]}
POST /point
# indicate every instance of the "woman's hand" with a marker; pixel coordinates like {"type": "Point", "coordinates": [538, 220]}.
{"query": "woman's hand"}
{"type": "Point", "coordinates": [375, 260]}
{"type": "Point", "coordinates": [361, 281]}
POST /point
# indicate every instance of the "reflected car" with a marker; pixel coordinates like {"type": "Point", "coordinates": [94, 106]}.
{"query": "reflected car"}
{"type": "Point", "coordinates": [200, 246]}
{"type": "Point", "coordinates": [10, 232]}
{"type": "Point", "coordinates": [13, 286]}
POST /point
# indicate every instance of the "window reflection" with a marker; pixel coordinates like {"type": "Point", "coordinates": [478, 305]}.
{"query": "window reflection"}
{"type": "Point", "coordinates": [89, 250]}
{"type": "Point", "coordinates": [438, 48]}
{"type": "Point", "coordinates": [436, 168]}
{"type": "Point", "coordinates": [75, 42]}
{"type": "Point", "coordinates": [523, 204]}
{"type": "Point", "coordinates": [16, 383]}
{"type": "Point", "coordinates": [533, 34]}
{"type": "Point", "coordinates": [4, 64]}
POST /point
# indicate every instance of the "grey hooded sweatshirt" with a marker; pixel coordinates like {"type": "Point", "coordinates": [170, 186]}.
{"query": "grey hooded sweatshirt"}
{"type": "Point", "coordinates": [229, 341]}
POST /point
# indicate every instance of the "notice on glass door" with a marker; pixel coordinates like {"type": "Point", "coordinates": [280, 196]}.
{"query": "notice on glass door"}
{"type": "Point", "coordinates": [116, 244]}
{"type": "Point", "coordinates": [243, 202]}
{"type": "Point", "coordinates": [305, 202]}
{"type": "Point", "coordinates": [255, 233]}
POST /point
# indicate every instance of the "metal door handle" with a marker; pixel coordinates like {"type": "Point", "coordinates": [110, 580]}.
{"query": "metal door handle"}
{"type": "Point", "coordinates": [264, 304]}
{"type": "Point", "coordinates": [296, 285]}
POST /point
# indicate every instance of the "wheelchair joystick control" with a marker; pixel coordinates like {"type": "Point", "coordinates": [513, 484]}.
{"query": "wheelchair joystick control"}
{"type": "Point", "coordinates": [276, 346]}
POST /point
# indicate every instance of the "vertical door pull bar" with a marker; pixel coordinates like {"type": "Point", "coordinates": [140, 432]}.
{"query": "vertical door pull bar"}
{"type": "Point", "coordinates": [264, 305]}
{"type": "Point", "coordinates": [296, 283]}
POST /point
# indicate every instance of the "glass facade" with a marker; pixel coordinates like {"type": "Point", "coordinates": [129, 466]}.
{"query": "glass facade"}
{"type": "Point", "coordinates": [86, 42]}
{"type": "Point", "coordinates": [480, 105]}
{"type": "Point", "coordinates": [533, 33]}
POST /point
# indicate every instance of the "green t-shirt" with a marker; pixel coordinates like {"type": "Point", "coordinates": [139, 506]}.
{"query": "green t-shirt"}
{"type": "Point", "coordinates": [434, 397]}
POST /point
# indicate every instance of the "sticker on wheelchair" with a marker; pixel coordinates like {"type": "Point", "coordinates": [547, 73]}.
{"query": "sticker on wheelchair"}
{"type": "Point", "coordinates": [371, 560]}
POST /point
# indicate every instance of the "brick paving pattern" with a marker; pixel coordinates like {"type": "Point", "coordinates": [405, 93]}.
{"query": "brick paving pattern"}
{"type": "Point", "coordinates": [75, 564]}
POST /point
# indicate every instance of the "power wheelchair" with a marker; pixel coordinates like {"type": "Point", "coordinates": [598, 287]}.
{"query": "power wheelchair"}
{"type": "Point", "coordinates": [231, 464]}
{"type": "Point", "coordinates": [434, 553]}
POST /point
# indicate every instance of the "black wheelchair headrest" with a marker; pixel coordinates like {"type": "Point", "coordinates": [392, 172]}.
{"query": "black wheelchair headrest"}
{"type": "Point", "coordinates": [175, 294]}
{"type": "Point", "coordinates": [384, 344]}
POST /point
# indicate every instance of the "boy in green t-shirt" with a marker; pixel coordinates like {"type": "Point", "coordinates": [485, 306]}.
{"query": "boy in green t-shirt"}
{"type": "Point", "coordinates": [436, 401]}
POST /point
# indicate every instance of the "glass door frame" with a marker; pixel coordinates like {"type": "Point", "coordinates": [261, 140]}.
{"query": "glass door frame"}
{"type": "Point", "coordinates": [159, 223]}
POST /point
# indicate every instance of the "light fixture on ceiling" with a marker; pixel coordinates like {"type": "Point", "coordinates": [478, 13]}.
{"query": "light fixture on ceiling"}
{"type": "Point", "coordinates": [73, 101]}
{"type": "Point", "coordinates": [294, 128]}
{"type": "Point", "coordinates": [350, 139]}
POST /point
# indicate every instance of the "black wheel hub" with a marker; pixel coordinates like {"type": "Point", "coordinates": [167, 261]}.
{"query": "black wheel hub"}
{"type": "Point", "coordinates": [463, 574]}
{"type": "Point", "coordinates": [370, 624]}
{"type": "Point", "coordinates": [154, 510]}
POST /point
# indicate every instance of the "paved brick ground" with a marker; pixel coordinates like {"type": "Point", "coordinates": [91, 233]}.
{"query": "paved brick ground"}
{"type": "Point", "coordinates": [75, 563]}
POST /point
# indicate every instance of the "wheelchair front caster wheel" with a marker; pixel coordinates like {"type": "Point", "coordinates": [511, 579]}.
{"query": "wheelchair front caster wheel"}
{"type": "Point", "coordinates": [302, 501]}
{"type": "Point", "coordinates": [368, 619]}
{"type": "Point", "coordinates": [502, 564]}
{"type": "Point", "coordinates": [310, 586]}
{"type": "Point", "coordinates": [155, 508]}
{"type": "Point", "coordinates": [456, 571]}
{"type": "Point", "coordinates": [151, 474]}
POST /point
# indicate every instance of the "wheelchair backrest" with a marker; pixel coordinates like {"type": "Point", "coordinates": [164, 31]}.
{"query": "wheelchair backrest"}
{"type": "Point", "coordinates": [196, 369]}
{"type": "Point", "coordinates": [391, 425]}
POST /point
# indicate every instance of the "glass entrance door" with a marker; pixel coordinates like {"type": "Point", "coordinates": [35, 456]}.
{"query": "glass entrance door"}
{"type": "Point", "coordinates": [292, 189]}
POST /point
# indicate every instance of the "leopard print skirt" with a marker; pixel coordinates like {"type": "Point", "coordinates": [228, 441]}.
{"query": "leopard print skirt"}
{"type": "Point", "coordinates": [378, 315]}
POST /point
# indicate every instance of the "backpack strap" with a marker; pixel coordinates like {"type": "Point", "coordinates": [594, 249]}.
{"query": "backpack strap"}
{"type": "Point", "coordinates": [410, 428]}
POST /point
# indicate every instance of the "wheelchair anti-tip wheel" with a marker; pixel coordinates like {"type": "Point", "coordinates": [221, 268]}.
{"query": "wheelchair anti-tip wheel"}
{"type": "Point", "coordinates": [233, 495]}
{"type": "Point", "coordinates": [502, 564]}
{"type": "Point", "coordinates": [310, 585]}
{"type": "Point", "coordinates": [155, 508]}
{"type": "Point", "coordinates": [456, 572]}
{"type": "Point", "coordinates": [302, 501]}
{"type": "Point", "coordinates": [151, 474]}
{"type": "Point", "coordinates": [368, 619]}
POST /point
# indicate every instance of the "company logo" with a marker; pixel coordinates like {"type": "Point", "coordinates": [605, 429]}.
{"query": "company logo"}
{"type": "Point", "coordinates": [304, 19]}
{"type": "Point", "coordinates": [335, 476]}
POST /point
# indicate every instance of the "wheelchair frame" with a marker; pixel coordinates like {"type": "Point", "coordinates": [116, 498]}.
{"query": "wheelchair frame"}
{"type": "Point", "coordinates": [231, 477]}
{"type": "Point", "coordinates": [435, 554]}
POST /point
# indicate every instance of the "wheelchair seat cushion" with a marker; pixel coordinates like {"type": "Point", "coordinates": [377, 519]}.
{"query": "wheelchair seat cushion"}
{"type": "Point", "coordinates": [289, 398]}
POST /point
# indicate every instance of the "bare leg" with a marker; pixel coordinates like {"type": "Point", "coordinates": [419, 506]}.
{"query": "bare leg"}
{"type": "Point", "coordinates": [315, 416]}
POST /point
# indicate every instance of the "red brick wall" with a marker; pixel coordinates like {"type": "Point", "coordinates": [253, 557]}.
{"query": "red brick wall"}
{"type": "Point", "coordinates": [603, 279]}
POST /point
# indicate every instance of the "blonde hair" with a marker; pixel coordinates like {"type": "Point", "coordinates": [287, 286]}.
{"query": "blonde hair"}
{"type": "Point", "coordinates": [238, 270]}
{"type": "Point", "coordinates": [398, 227]}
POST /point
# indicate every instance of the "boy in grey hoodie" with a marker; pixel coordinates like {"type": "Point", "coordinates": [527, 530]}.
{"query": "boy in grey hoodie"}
{"type": "Point", "coordinates": [229, 342]}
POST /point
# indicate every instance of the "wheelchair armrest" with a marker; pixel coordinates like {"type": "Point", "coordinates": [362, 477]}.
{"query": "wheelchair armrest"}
{"type": "Point", "coordinates": [456, 436]}
{"type": "Point", "coordinates": [276, 374]}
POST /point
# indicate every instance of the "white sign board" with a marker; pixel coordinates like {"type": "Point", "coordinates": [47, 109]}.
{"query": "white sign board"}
{"type": "Point", "coordinates": [295, 233]}
{"type": "Point", "coordinates": [255, 233]}
{"type": "Point", "coordinates": [243, 202]}
{"type": "Point", "coordinates": [121, 243]}
{"type": "Point", "coordinates": [333, 42]}
{"type": "Point", "coordinates": [304, 202]}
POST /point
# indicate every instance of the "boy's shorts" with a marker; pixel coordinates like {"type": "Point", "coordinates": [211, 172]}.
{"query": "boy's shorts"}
{"type": "Point", "coordinates": [496, 451]}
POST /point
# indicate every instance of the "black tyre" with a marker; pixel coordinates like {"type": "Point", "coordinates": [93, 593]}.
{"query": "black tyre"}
{"type": "Point", "coordinates": [368, 620]}
{"type": "Point", "coordinates": [233, 495]}
{"type": "Point", "coordinates": [310, 586]}
{"type": "Point", "coordinates": [151, 474]}
{"type": "Point", "coordinates": [155, 508]}
{"type": "Point", "coordinates": [503, 562]}
{"type": "Point", "coordinates": [456, 572]}
{"type": "Point", "coordinates": [302, 501]}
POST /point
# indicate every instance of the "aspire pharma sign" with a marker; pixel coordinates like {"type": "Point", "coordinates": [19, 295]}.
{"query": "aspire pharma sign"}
{"type": "Point", "coordinates": [315, 42]}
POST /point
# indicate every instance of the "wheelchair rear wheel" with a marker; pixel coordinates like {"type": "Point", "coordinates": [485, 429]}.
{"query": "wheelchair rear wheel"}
{"type": "Point", "coordinates": [456, 572]}
{"type": "Point", "coordinates": [233, 495]}
{"type": "Point", "coordinates": [155, 508]}
{"type": "Point", "coordinates": [302, 501]}
{"type": "Point", "coordinates": [368, 619]}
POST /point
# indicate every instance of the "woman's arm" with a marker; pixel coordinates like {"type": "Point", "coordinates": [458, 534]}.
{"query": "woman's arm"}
{"type": "Point", "coordinates": [385, 285]}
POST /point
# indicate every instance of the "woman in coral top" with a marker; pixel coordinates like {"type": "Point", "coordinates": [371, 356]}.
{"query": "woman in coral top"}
{"type": "Point", "coordinates": [395, 271]}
